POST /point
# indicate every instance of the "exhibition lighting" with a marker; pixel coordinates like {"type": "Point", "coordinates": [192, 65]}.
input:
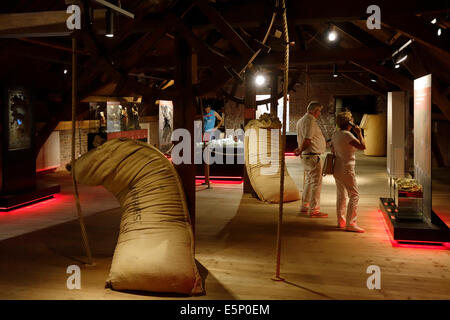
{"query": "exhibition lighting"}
{"type": "Point", "coordinates": [109, 23]}
{"type": "Point", "coordinates": [118, 8]}
{"type": "Point", "coordinates": [373, 78]}
{"type": "Point", "coordinates": [335, 73]}
{"type": "Point", "coordinates": [411, 243]}
{"type": "Point", "coordinates": [401, 57]}
{"type": "Point", "coordinates": [65, 71]}
{"type": "Point", "coordinates": [260, 80]}
{"type": "Point", "coordinates": [433, 21]}
{"type": "Point", "coordinates": [439, 32]}
{"type": "Point", "coordinates": [397, 66]}
{"type": "Point", "coordinates": [332, 35]}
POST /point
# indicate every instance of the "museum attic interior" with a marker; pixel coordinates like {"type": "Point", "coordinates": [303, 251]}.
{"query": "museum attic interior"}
{"type": "Point", "coordinates": [224, 150]}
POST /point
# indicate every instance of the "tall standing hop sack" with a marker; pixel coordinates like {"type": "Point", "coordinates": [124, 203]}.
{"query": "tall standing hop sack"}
{"type": "Point", "coordinates": [263, 160]}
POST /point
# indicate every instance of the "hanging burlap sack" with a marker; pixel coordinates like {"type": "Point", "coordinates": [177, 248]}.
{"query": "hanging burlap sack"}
{"type": "Point", "coordinates": [155, 249]}
{"type": "Point", "coordinates": [263, 160]}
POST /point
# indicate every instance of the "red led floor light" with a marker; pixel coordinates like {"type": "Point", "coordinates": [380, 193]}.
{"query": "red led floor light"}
{"type": "Point", "coordinates": [26, 204]}
{"type": "Point", "coordinates": [416, 244]}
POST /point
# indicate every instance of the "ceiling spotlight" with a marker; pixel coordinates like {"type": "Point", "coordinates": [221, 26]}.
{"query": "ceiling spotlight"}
{"type": "Point", "coordinates": [439, 32]}
{"type": "Point", "coordinates": [65, 71]}
{"type": "Point", "coordinates": [260, 80]}
{"type": "Point", "coordinates": [433, 21]}
{"type": "Point", "coordinates": [332, 35]}
{"type": "Point", "coordinates": [397, 66]}
{"type": "Point", "coordinates": [109, 23]}
{"type": "Point", "coordinates": [401, 54]}
{"type": "Point", "coordinates": [335, 73]}
{"type": "Point", "coordinates": [401, 58]}
{"type": "Point", "coordinates": [372, 78]}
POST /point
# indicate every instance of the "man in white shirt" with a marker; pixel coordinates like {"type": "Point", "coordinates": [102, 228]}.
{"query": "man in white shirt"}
{"type": "Point", "coordinates": [311, 144]}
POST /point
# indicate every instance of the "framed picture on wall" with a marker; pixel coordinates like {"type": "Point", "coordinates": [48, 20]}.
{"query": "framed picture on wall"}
{"type": "Point", "coordinates": [19, 119]}
{"type": "Point", "coordinates": [165, 125]}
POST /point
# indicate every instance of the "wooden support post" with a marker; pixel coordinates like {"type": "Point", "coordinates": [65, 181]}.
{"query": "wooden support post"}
{"type": "Point", "coordinates": [183, 117]}
{"type": "Point", "coordinates": [74, 182]}
{"type": "Point", "coordinates": [249, 114]}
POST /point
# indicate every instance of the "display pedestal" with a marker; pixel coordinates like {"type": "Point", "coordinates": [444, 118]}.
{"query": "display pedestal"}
{"type": "Point", "coordinates": [42, 192]}
{"type": "Point", "coordinates": [413, 230]}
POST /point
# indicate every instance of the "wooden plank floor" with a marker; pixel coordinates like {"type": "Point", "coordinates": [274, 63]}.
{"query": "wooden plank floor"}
{"type": "Point", "coordinates": [235, 249]}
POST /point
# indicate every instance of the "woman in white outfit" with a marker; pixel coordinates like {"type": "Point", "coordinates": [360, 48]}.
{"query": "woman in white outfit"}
{"type": "Point", "coordinates": [344, 146]}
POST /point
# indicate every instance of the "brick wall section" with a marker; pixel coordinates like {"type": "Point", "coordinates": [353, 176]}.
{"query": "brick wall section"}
{"type": "Point", "coordinates": [322, 87]}
{"type": "Point", "coordinates": [66, 145]}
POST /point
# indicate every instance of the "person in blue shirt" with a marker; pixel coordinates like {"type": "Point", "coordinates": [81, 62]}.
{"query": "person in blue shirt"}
{"type": "Point", "coordinates": [209, 121]}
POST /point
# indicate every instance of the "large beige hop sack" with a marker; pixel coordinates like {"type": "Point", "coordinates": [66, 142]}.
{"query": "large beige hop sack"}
{"type": "Point", "coordinates": [263, 161]}
{"type": "Point", "coordinates": [155, 249]}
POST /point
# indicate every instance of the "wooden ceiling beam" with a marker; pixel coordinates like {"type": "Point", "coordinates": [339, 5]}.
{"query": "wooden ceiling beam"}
{"type": "Point", "coordinates": [413, 27]}
{"type": "Point", "coordinates": [338, 55]}
{"type": "Point", "coordinates": [390, 75]}
{"type": "Point", "coordinates": [225, 28]}
{"type": "Point", "coordinates": [201, 48]}
{"type": "Point", "coordinates": [39, 24]}
{"type": "Point", "coordinates": [406, 84]}
{"type": "Point", "coordinates": [365, 83]}
{"type": "Point", "coordinates": [359, 35]}
{"type": "Point", "coordinates": [419, 69]}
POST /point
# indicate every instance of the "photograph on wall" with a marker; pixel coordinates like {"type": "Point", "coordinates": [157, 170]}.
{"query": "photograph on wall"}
{"type": "Point", "coordinates": [19, 120]}
{"type": "Point", "coordinates": [113, 116]}
{"type": "Point", "coordinates": [165, 124]}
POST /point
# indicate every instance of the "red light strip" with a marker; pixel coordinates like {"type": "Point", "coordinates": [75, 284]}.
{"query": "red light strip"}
{"type": "Point", "coordinates": [416, 244]}
{"type": "Point", "coordinates": [201, 181]}
{"type": "Point", "coordinates": [21, 205]}
{"type": "Point", "coordinates": [220, 177]}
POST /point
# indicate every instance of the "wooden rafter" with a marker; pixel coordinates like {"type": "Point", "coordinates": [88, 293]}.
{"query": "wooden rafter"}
{"type": "Point", "coordinates": [327, 56]}
{"type": "Point", "coordinates": [365, 83]}
{"type": "Point", "coordinates": [413, 27]}
{"type": "Point", "coordinates": [225, 28]}
{"type": "Point", "coordinates": [39, 24]}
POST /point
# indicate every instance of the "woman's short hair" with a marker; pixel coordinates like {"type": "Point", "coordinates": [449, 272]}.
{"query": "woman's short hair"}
{"type": "Point", "coordinates": [343, 118]}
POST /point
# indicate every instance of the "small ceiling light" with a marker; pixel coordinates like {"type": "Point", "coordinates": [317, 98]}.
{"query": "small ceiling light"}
{"type": "Point", "coordinates": [109, 23]}
{"type": "Point", "coordinates": [332, 35]}
{"type": "Point", "coordinates": [335, 73]}
{"type": "Point", "coordinates": [401, 54]}
{"type": "Point", "coordinates": [401, 58]}
{"type": "Point", "coordinates": [260, 80]}
{"type": "Point", "coordinates": [65, 71]}
{"type": "Point", "coordinates": [439, 32]}
{"type": "Point", "coordinates": [433, 21]}
{"type": "Point", "coordinates": [397, 66]}
{"type": "Point", "coordinates": [372, 78]}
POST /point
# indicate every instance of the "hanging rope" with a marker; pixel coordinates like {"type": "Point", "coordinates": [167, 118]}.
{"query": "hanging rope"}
{"type": "Point", "coordinates": [283, 141]}
{"type": "Point", "coordinates": [75, 187]}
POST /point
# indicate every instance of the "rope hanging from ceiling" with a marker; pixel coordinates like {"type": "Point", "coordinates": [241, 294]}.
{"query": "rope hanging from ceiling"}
{"type": "Point", "coordinates": [283, 141]}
